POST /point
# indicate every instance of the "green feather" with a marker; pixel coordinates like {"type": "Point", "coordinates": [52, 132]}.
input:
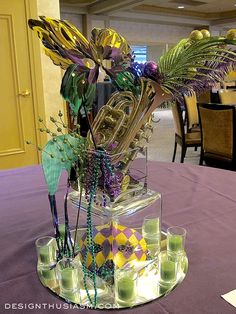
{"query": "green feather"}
{"type": "Point", "coordinates": [58, 156]}
{"type": "Point", "coordinates": [77, 90]}
{"type": "Point", "coordinates": [204, 55]}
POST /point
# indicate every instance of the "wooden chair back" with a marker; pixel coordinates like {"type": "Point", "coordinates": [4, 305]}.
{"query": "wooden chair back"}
{"type": "Point", "coordinates": [178, 120]}
{"type": "Point", "coordinates": [218, 132]}
{"type": "Point", "coordinates": [227, 96]}
{"type": "Point", "coordinates": [191, 111]}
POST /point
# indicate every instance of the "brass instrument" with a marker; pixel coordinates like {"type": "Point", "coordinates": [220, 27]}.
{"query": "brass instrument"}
{"type": "Point", "coordinates": [124, 123]}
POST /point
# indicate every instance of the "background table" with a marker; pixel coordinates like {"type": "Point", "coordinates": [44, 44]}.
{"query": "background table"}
{"type": "Point", "coordinates": [201, 199]}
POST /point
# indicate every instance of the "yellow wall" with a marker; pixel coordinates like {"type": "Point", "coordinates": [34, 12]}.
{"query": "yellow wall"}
{"type": "Point", "coordinates": [51, 73]}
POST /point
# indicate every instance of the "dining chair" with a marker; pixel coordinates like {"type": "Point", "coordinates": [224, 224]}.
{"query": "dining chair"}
{"type": "Point", "coordinates": [205, 97]}
{"type": "Point", "coordinates": [182, 138]}
{"type": "Point", "coordinates": [218, 135]}
{"type": "Point", "coordinates": [190, 102]}
{"type": "Point", "coordinates": [227, 96]}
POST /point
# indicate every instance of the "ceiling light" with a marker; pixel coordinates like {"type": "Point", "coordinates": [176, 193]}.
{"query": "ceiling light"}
{"type": "Point", "coordinates": [180, 7]}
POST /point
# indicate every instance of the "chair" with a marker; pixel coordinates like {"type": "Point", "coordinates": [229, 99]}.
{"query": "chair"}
{"type": "Point", "coordinates": [227, 96]}
{"type": "Point", "coordinates": [185, 140]}
{"type": "Point", "coordinates": [205, 97]}
{"type": "Point", "coordinates": [192, 118]}
{"type": "Point", "coordinates": [218, 133]}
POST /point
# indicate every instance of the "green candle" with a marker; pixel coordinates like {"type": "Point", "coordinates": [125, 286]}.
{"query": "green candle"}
{"type": "Point", "coordinates": [69, 278]}
{"type": "Point", "coordinates": [151, 226]}
{"type": "Point", "coordinates": [168, 271]}
{"type": "Point", "coordinates": [126, 289]}
{"type": "Point", "coordinates": [46, 255]}
{"type": "Point", "coordinates": [175, 243]}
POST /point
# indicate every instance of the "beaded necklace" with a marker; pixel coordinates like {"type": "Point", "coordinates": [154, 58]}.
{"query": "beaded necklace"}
{"type": "Point", "coordinates": [98, 164]}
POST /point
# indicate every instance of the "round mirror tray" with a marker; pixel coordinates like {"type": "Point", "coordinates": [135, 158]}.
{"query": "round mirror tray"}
{"type": "Point", "coordinates": [148, 284]}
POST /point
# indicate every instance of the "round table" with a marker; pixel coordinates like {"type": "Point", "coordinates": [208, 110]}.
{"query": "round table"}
{"type": "Point", "coordinates": [201, 199]}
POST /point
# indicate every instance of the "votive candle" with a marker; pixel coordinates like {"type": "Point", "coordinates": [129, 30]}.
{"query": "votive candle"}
{"type": "Point", "coordinates": [175, 243]}
{"type": "Point", "coordinates": [69, 278]}
{"type": "Point", "coordinates": [151, 226]}
{"type": "Point", "coordinates": [126, 289]}
{"type": "Point", "coordinates": [46, 254]}
{"type": "Point", "coordinates": [168, 271]}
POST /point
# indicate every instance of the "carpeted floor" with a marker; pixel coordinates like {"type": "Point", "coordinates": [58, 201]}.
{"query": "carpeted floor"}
{"type": "Point", "coordinates": [161, 144]}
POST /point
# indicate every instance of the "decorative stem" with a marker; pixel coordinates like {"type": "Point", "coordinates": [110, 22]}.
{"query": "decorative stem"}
{"type": "Point", "coordinates": [77, 219]}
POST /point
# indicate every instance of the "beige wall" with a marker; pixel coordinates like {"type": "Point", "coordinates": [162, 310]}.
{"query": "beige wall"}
{"type": "Point", "coordinates": [141, 32]}
{"type": "Point", "coordinates": [51, 73]}
{"type": "Point", "coordinates": [75, 19]}
{"type": "Point", "coordinates": [136, 32]}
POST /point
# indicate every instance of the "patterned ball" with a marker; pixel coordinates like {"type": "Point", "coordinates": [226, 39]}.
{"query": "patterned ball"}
{"type": "Point", "coordinates": [116, 243]}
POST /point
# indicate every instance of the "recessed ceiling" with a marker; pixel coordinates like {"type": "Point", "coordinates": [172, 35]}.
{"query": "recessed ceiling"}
{"type": "Point", "coordinates": [79, 2]}
{"type": "Point", "coordinates": [212, 10]}
{"type": "Point", "coordinates": [202, 6]}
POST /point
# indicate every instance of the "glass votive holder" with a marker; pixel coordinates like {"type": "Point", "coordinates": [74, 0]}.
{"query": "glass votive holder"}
{"type": "Point", "coordinates": [167, 268]}
{"type": "Point", "coordinates": [176, 240]}
{"type": "Point", "coordinates": [71, 296]}
{"type": "Point", "coordinates": [46, 251]}
{"type": "Point", "coordinates": [151, 232]}
{"type": "Point", "coordinates": [76, 237]}
{"type": "Point", "coordinates": [62, 230]}
{"type": "Point", "coordinates": [164, 288]}
{"type": "Point", "coordinates": [153, 245]}
{"type": "Point", "coordinates": [151, 225]}
{"type": "Point", "coordinates": [48, 276]}
{"type": "Point", "coordinates": [125, 286]}
{"type": "Point", "coordinates": [48, 273]}
{"type": "Point", "coordinates": [69, 275]}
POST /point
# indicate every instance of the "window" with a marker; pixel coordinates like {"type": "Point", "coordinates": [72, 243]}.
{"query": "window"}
{"type": "Point", "coordinates": [140, 53]}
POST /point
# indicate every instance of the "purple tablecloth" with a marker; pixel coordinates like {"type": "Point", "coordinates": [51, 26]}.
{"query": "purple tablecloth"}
{"type": "Point", "coordinates": [201, 199]}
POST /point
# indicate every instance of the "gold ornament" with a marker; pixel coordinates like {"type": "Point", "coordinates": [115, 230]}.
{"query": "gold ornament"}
{"type": "Point", "coordinates": [196, 35]}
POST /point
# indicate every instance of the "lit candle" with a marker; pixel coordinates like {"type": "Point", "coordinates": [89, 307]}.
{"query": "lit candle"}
{"type": "Point", "coordinates": [175, 243]}
{"type": "Point", "coordinates": [168, 271]}
{"type": "Point", "coordinates": [69, 278]}
{"type": "Point", "coordinates": [126, 289]}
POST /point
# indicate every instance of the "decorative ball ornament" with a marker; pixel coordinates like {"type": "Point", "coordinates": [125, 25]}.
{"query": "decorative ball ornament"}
{"type": "Point", "coordinates": [231, 34]}
{"type": "Point", "coordinates": [205, 33]}
{"type": "Point", "coordinates": [114, 242]}
{"type": "Point", "coordinates": [196, 35]}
